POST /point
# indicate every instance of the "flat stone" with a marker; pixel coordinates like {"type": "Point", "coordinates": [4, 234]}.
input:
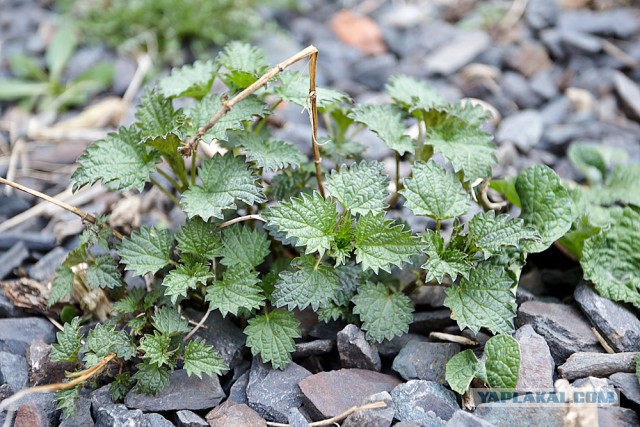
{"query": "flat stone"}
{"type": "Point", "coordinates": [13, 371]}
{"type": "Point", "coordinates": [328, 394]}
{"type": "Point", "coordinates": [425, 322]}
{"type": "Point", "coordinates": [272, 392]}
{"type": "Point", "coordinates": [581, 42]}
{"type": "Point", "coordinates": [628, 94]}
{"type": "Point", "coordinates": [355, 351]}
{"type": "Point", "coordinates": [615, 322]}
{"type": "Point", "coordinates": [619, 417]}
{"type": "Point", "coordinates": [528, 58]}
{"type": "Point", "coordinates": [524, 129]}
{"type": "Point", "coordinates": [16, 335]}
{"type": "Point", "coordinates": [541, 14]}
{"type": "Point", "coordinates": [238, 391]}
{"type": "Point", "coordinates": [391, 348]}
{"type": "Point", "coordinates": [516, 88]}
{"type": "Point", "coordinates": [425, 402]}
{"type": "Point", "coordinates": [223, 335]}
{"type": "Point", "coordinates": [190, 419]}
{"type": "Point", "coordinates": [521, 415]}
{"type": "Point", "coordinates": [604, 388]}
{"type": "Point", "coordinates": [563, 327]}
{"type": "Point", "coordinates": [628, 386]}
{"type": "Point", "coordinates": [100, 398]}
{"type": "Point", "coordinates": [182, 392]}
{"type": "Point", "coordinates": [377, 417]}
{"type": "Point", "coordinates": [620, 22]}
{"type": "Point", "coordinates": [297, 419]}
{"type": "Point", "coordinates": [536, 364]}
{"type": "Point", "coordinates": [156, 420]}
{"type": "Point", "coordinates": [12, 259]}
{"type": "Point", "coordinates": [7, 309]}
{"type": "Point", "coordinates": [34, 241]}
{"type": "Point", "coordinates": [232, 414]}
{"type": "Point", "coordinates": [424, 360]}
{"type": "Point", "coordinates": [466, 419]}
{"type": "Point", "coordinates": [313, 348]}
{"type": "Point", "coordinates": [35, 409]}
{"type": "Point", "coordinates": [456, 54]}
{"type": "Point", "coordinates": [81, 417]}
{"type": "Point", "coordinates": [119, 415]}
{"type": "Point", "coordinates": [44, 270]}
{"type": "Point", "coordinates": [42, 370]}
{"type": "Point", "coordinates": [581, 364]}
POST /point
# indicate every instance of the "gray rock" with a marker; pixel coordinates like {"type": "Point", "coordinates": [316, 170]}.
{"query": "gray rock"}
{"type": "Point", "coordinates": [621, 23]}
{"type": "Point", "coordinates": [44, 270]}
{"type": "Point", "coordinates": [617, 324]}
{"type": "Point", "coordinates": [238, 392]}
{"type": "Point", "coordinates": [100, 398]}
{"type": "Point", "coordinates": [536, 363]}
{"type": "Point", "coordinates": [521, 415]}
{"type": "Point", "coordinates": [524, 129]}
{"type": "Point", "coordinates": [406, 424]}
{"type": "Point", "coordinates": [430, 321]}
{"type": "Point", "coordinates": [7, 309]}
{"type": "Point", "coordinates": [17, 334]}
{"type": "Point", "coordinates": [424, 360]}
{"type": "Point", "coordinates": [156, 420]}
{"type": "Point", "coordinates": [13, 371]}
{"type": "Point", "coordinates": [328, 394]}
{"type": "Point", "coordinates": [629, 387]}
{"type": "Point", "coordinates": [13, 258]}
{"type": "Point", "coordinates": [355, 351]}
{"type": "Point", "coordinates": [232, 414]}
{"type": "Point", "coordinates": [35, 409]}
{"type": "Point", "coordinates": [82, 416]}
{"type": "Point", "coordinates": [454, 55]}
{"type": "Point", "coordinates": [43, 370]}
{"type": "Point", "coordinates": [621, 417]}
{"type": "Point", "coordinates": [541, 14]}
{"type": "Point", "coordinates": [425, 402]}
{"type": "Point", "coordinates": [34, 241]}
{"type": "Point", "coordinates": [378, 417]}
{"type": "Point", "coordinates": [602, 386]}
{"type": "Point", "coordinates": [555, 111]}
{"type": "Point", "coordinates": [628, 93]}
{"type": "Point", "coordinates": [272, 392]}
{"type": "Point", "coordinates": [544, 84]}
{"type": "Point", "coordinates": [579, 42]}
{"type": "Point", "coordinates": [466, 419]}
{"type": "Point", "coordinates": [374, 71]}
{"type": "Point", "coordinates": [223, 335]}
{"type": "Point", "coordinates": [190, 419]}
{"type": "Point", "coordinates": [391, 348]}
{"type": "Point", "coordinates": [296, 419]}
{"type": "Point", "coordinates": [182, 392]}
{"type": "Point", "coordinates": [12, 205]}
{"type": "Point", "coordinates": [119, 415]}
{"type": "Point", "coordinates": [516, 88]}
{"type": "Point", "coordinates": [582, 364]}
{"type": "Point", "coordinates": [563, 327]}
{"type": "Point", "coordinates": [313, 348]}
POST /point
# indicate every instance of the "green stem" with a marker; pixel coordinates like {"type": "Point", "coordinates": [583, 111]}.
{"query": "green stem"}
{"type": "Point", "coordinates": [356, 130]}
{"type": "Point", "coordinates": [165, 191]}
{"type": "Point", "coordinates": [193, 163]}
{"type": "Point", "coordinates": [438, 225]}
{"type": "Point", "coordinates": [169, 178]}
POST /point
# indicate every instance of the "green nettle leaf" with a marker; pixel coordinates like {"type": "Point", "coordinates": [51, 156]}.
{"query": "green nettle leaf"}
{"type": "Point", "coordinates": [147, 250]}
{"type": "Point", "coordinates": [244, 62]}
{"type": "Point", "coordinates": [546, 205]}
{"type": "Point", "coordinates": [120, 386]}
{"type": "Point", "coordinates": [492, 233]}
{"type": "Point", "coordinates": [309, 284]}
{"type": "Point", "coordinates": [361, 188]}
{"type": "Point", "coordinates": [225, 179]}
{"type": "Point", "coordinates": [443, 261]}
{"type": "Point", "coordinates": [150, 378]}
{"type": "Point", "coordinates": [238, 290]}
{"type": "Point", "coordinates": [269, 154]}
{"type": "Point", "coordinates": [199, 238]}
{"type": "Point", "coordinates": [119, 161]}
{"type": "Point", "coordinates": [387, 122]}
{"type": "Point", "coordinates": [461, 369]}
{"type": "Point", "coordinates": [167, 321]}
{"type": "Point", "coordinates": [201, 358]}
{"type": "Point", "coordinates": [66, 401]}
{"type": "Point", "coordinates": [156, 116]}
{"type": "Point", "coordinates": [638, 367]}
{"type": "Point", "coordinates": [621, 186]}
{"type": "Point", "coordinates": [203, 111]}
{"type": "Point", "coordinates": [271, 336]}
{"type": "Point", "coordinates": [189, 80]}
{"type": "Point", "coordinates": [62, 285]}
{"type": "Point", "coordinates": [155, 348]}
{"type": "Point", "coordinates": [611, 259]}
{"type": "Point", "coordinates": [383, 314]}
{"type": "Point", "coordinates": [485, 300]}
{"type": "Point", "coordinates": [185, 277]}
{"type": "Point", "coordinates": [243, 246]}
{"type": "Point", "coordinates": [502, 361]}
{"type": "Point", "coordinates": [294, 87]}
{"type": "Point", "coordinates": [581, 230]}
{"type": "Point", "coordinates": [68, 343]}
{"type": "Point", "coordinates": [104, 339]}
{"type": "Point", "coordinates": [413, 94]}
{"type": "Point", "coordinates": [380, 244]}
{"type": "Point", "coordinates": [104, 273]}
{"type": "Point", "coordinates": [306, 221]}
{"type": "Point", "coordinates": [588, 159]}
{"type": "Point", "coordinates": [434, 192]}
{"type": "Point", "coordinates": [60, 50]}
{"type": "Point", "coordinates": [131, 302]}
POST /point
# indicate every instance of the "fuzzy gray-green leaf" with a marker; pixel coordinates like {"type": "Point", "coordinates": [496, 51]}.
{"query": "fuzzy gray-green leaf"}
{"type": "Point", "coordinates": [492, 233]}
{"type": "Point", "coordinates": [386, 121]}
{"type": "Point", "coordinates": [146, 250]}
{"type": "Point", "coordinates": [502, 361]}
{"type": "Point", "coordinates": [238, 290]}
{"type": "Point", "coordinates": [361, 188]}
{"type": "Point", "coordinates": [271, 336]}
{"type": "Point", "coordinates": [384, 314]}
{"type": "Point", "coordinates": [307, 285]}
{"type": "Point", "coordinates": [192, 80]}
{"type": "Point", "coordinates": [244, 247]}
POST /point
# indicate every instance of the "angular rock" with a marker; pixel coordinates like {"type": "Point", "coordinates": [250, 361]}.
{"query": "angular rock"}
{"type": "Point", "coordinates": [35, 409]}
{"type": "Point", "coordinates": [328, 394]}
{"type": "Point", "coordinates": [100, 398]}
{"type": "Point", "coordinates": [119, 415]}
{"type": "Point", "coordinates": [466, 419]}
{"type": "Point", "coordinates": [34, 241]}
{"type": "Point", "coordinates": [521, 415]}
{"type": "Point", "coordinates": [528, 58]}
{"type": "Point", "coordinates": [424, 360]}
{"type": "Point", "coordinates": [296, 419]}
{"type": "Point", "coordinates": [454, 55]}
{"type": "Point", "coordinates": [536, 364]}
{"type": "Point", "coordinates": [424, 402]}
{"type": "Point", "coordinates": [223, 335]}
{"type": "Point", "coordinates": [430, 321]}
{"type": "Point", "coordinates": [272, 392]}
{"type": "Point", "coordinates": [541, 14]}
{"type": "Point", "coordinates": [617, 417]}
{"type": "Point", "coordinates": [7, 309]}
{"type": "Point", "coordinates": [579, 42]}
{"type": "Point", "coordinates": [524, 129]}
{"type": "Point", "coordinates": [313, 348]}
{"type": "Point", "coordinates": [42, 370]}
{"type": "Point", "coordinates": [629, 387]}
{"type": "Point", "coordinates": [82, 416]}
{"type": "Point", "coordinates": [182, 392]}
{"type": "Point", "coordinates": [620, 22]}
{"type": "Point", "coordinates": [13, 258]}
{"type": "Point", "coordinates": [190, 419]}
{"type": "Point", "coordinates": [238, 392]}
{"type": "Point", "coordinates": [232, 414]}
{"type": "Point", "coordinates": [13, 371]}
{"type": "Point", "coordinates": [17, 334]}
{"type": "Point", "coordinates": [628, 93]}
{"type": "Point", "coordinates": [355, 351]}
{"type": "Point", "coordinates": [563, 327]}
{"type": "Point", "coordinates": [391, 348]}
{"type": "Point", "coordinates": [378, 417]}
{"type": "Point", "coordinates": [617, 324]}
{"type": "Point", "coordinates": [44, 270]}
{"type": "Point", "coordinates": [581, 364]}
{"type": "Point", "coordinates": [602, 386]}
{"type": "Point", "coordinates": [156, 420]}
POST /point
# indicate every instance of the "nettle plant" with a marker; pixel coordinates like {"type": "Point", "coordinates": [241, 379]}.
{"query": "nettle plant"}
{"type": "Point", "coordinates": [270, 231]}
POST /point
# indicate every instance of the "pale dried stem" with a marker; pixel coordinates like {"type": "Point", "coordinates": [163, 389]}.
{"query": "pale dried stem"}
{"type": "Point", "coordinates": [514, 14]}
{"type": "Point", "coordinates": [16, 150]}
{"type": "Point", "coordinates": [242, 218]}
{"type": "Point", "coordinates": [198, 326]}
{"type": "Point", "coordinates": [337, 418]}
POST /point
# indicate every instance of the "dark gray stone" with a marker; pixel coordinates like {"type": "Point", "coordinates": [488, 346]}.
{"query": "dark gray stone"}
{"type": "Point", "coordinates": [563, 327]}
{"type": "Point", "coordinates": [119, 415]}
{"type": "Point", "coordinates": [391, 348]}
{"type": "Point", "coordinates": [425, 360]}
{"type": "Point", "coordinates": [12, 205]}
{"type": "Point", "coordinates": [579, 42]}
{"type": "Point", "coordinates": [425, 402]}
{"type": "Point", "coordinates": [82, 416]}
{"type": "Point", "coordinates": [615, 322]}
{"type": "Point", "coordinates": [377, 417]}
{"type": "Point", "coordinates": [449, 58]}
{"type": "Point", "coordinates": [44, 270]}
{"type": "Point", "coordinates": [521, 415]}
{"type": "Point", "coordinates": [313, 348]}
{"type": "Point", "coordinates": [232, 414]}
{"type": "Point", "coordinates": [581, 364]}
{"type": "Point", "coordinates": [466, 419]}
{"type": "Point", "coordinates": [182, 392]}
{"type": "Point", "coordinates": [555, 111]}
{"type": "Point", "coordinates": [602, 386]}
{"type": "Point", "coordinates": [327, 394]}
{"type": "Point", "coordinates": [238, 392]}
{"type": "Point", "coordinates": [7, 309]}
{"type": "Point", "coordinates": [425, 322]}
{"type": "Point", "coordinates": [100, 398]}
{"type": "Point", "coordinates": [223, 335]}
{"type": "Point", "coordinates": [536, 364]}
{"type": "Point", "coordinates": [13, 258]}
{"type": "Point", "coordinates": [629, 387]}
{"type": "Point", "coordinates": [541, 14]}
{"type": "Point", "coordinates": [524, 129]}
{"type": "Point", "coordinates": [35, 409]}
{"type": "Point", "coordinates": [374, 71]}
{"type": "Point", "coordinates": [43, 370]}
{"type": "Point", "coordinates": [355, 351]}
{"type": "Point", "coordinates": [296, 419]}
{"type": "Point", "coordinates": [190, 419]}
{"type": "Point", "coordinates": [272, 392]}
{"type": "Point", "coordinates": [156, 420]}
{"type": "Point", "coordinates": [545, 84]}
{"type": "Point", "coordinates": [621, 23]}
{"type": "Point", "coordinates": [628, 93]}
{"type": "Point", "coordinates": [34, 241]}
{"type": "Point", "coordinates": [17, 334]}
{"type": "Point", "coordinates": [13, 371]}
{"type": "Point", "coordinates": [516, 88]}
{"type": "Point", "coordinates": [619, 417]}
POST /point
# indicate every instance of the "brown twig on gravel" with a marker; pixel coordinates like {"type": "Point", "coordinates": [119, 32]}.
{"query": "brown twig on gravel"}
{"type": "Point", "coordinates": [337, 418]}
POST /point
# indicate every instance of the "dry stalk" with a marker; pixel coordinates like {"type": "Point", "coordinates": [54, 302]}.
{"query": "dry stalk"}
{"type": "Point", "coordinates": [337, 418]}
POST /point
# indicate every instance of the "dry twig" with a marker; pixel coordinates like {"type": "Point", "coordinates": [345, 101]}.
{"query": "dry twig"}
{"type": "Point", "coordinates": [337, 418]}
